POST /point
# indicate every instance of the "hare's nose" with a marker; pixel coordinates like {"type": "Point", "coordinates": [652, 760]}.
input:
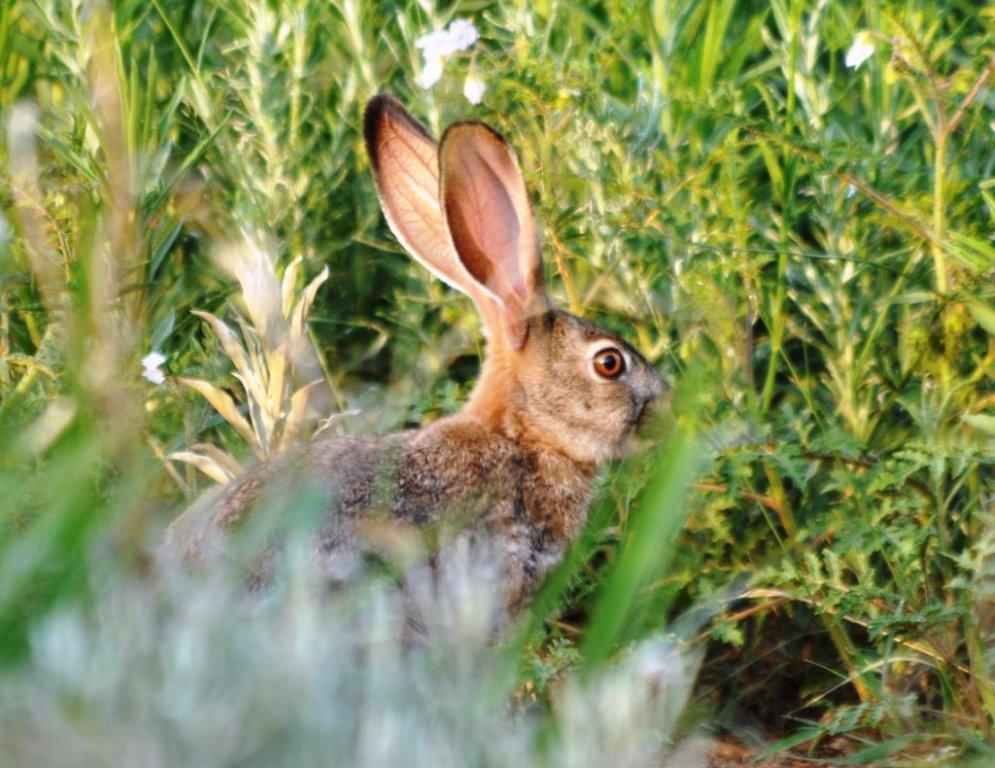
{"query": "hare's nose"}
{"type": "Point", "coordinates": [656, 387]}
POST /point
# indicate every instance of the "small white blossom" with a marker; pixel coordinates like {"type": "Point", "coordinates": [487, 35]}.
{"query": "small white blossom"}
{"type": "Point", "coordinates": [431, 71]}
{"type": "Point", "coordinates": [861, 50]}
{"type": "Point", "coordinates": [151, 367]}
{"type": "Point", "coordinates": [462, 34]}
{"type": "Point", "coordinates": [437, 46]}
{"type": "Point", "coordinates": [474, 89]}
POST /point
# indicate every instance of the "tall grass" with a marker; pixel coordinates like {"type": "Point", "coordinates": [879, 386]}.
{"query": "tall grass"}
{"type": "Point", "coordinates": [804, 247]}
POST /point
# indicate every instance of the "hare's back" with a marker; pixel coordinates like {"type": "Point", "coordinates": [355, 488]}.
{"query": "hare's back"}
{"type": "Point", "coordinates": [451, 473]}
{"type": "Point", "coordinates": [338, 470]}
{"type": "Point", "coordinates": [341, 471]}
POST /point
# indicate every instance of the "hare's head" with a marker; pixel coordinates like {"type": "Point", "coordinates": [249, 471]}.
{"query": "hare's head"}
{"type": "Point", "coordinates": [461, 209]}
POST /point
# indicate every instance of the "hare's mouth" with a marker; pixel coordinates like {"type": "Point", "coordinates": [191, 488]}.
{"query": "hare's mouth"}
{"type": "Point", "coordinates": [640, 413]}
{"type": "Point", "coordinates": [646, 410]}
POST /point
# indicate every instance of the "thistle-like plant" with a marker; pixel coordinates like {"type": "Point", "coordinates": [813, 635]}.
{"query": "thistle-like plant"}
{"type": "Point", "coordinates": [274, 360]}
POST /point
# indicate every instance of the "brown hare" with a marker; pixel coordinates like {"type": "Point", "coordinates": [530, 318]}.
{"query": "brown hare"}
{"type": "Point", "coordinates": [557, 395]}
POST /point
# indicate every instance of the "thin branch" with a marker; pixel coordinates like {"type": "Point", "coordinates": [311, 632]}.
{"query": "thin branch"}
{"type": "Point", "coordinates": [971, 96]}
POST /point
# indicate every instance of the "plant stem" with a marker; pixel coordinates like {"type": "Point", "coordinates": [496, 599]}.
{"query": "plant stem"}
{"type": "Point", "coordinates": [939, 213]}
{"type": "Point", "coordinates": [777, 322]}
{"type": "Point", "coordinates": [974, 642]}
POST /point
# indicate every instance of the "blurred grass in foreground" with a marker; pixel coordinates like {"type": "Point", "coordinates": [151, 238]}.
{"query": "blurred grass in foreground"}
{"type": "Point", "coordinates": [805, 246]}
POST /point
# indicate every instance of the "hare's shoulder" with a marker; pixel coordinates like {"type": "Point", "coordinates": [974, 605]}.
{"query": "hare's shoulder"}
{"type": "Point", "coordinates": [454, 466]}
{"type": "Point", "coordinates": [459, 444]}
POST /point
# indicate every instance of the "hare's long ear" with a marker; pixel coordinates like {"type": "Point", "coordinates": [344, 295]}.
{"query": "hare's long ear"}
{"type": "Point", "coordinates": [405, 160]}
{"type": "Point", "coordinates": [486, 207]}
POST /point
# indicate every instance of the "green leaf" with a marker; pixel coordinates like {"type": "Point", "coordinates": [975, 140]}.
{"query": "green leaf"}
{"type": "Point", "coordinates": [649, 543]}
{"type": "Point", "coordinates": [983, 315]}
{"type": "Point", "coordinates": [982, 422]}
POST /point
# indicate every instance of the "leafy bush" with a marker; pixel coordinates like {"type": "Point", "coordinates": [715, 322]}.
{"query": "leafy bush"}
{"type": "Point", "coordinates": [182, 671]}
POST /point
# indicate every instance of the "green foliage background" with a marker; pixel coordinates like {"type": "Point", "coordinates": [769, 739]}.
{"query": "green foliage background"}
{"type": "Point", "coordinates": [803, 247]}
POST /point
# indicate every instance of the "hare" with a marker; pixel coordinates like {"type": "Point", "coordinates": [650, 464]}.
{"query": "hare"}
{"type": "Point", "coordinates": [557, 395]}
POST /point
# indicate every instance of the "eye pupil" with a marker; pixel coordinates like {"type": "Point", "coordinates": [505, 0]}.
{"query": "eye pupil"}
{"type": "Point", "coordinates": [609, 363]}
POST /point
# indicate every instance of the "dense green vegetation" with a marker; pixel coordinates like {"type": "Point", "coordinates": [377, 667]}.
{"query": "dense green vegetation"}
{"type": "Point", "coordinates": [802, 246]}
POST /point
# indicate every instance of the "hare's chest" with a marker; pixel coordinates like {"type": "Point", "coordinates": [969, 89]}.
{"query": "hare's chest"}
{"type": "Point", "coordinates": [533, 525]}
{"type": "Point", "coordinates": [555, 497]}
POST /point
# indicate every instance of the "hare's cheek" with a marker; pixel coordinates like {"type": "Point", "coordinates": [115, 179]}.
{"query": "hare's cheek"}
{"type": "Point", "coordinates": [618, 403]}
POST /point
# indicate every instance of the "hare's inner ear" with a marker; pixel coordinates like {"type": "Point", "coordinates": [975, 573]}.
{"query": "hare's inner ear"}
{"type": "Point", "coordinates": [405, 163]}
{"type": "Point", "coordinates": [486, 206]}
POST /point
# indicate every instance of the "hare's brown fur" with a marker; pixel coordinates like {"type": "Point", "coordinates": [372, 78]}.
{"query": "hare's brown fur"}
{"type": "Point", "coordinates": [516, 465]}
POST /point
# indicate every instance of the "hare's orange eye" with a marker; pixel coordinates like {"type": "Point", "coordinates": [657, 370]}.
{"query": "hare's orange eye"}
{"type": "Point", "coordinates": [609, 363]}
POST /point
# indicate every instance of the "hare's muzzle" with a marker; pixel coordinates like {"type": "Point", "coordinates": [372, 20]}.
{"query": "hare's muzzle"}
{"type": "Point", "coordinates": [649, 391]}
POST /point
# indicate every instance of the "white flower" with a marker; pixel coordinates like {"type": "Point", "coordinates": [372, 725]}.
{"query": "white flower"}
{"type": "Point", "coordinates": [861, 50]}
{"type": "Point", "coordinates": [437, 46]}
{"type": "Point", "coordinates": [474, 89]}
{"type": "Point", "coordinates": [151, 365]}
{"type": "Point", "coordinates": [431, 71]}
{"type": "Point", "coordinates": [462, 34]}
